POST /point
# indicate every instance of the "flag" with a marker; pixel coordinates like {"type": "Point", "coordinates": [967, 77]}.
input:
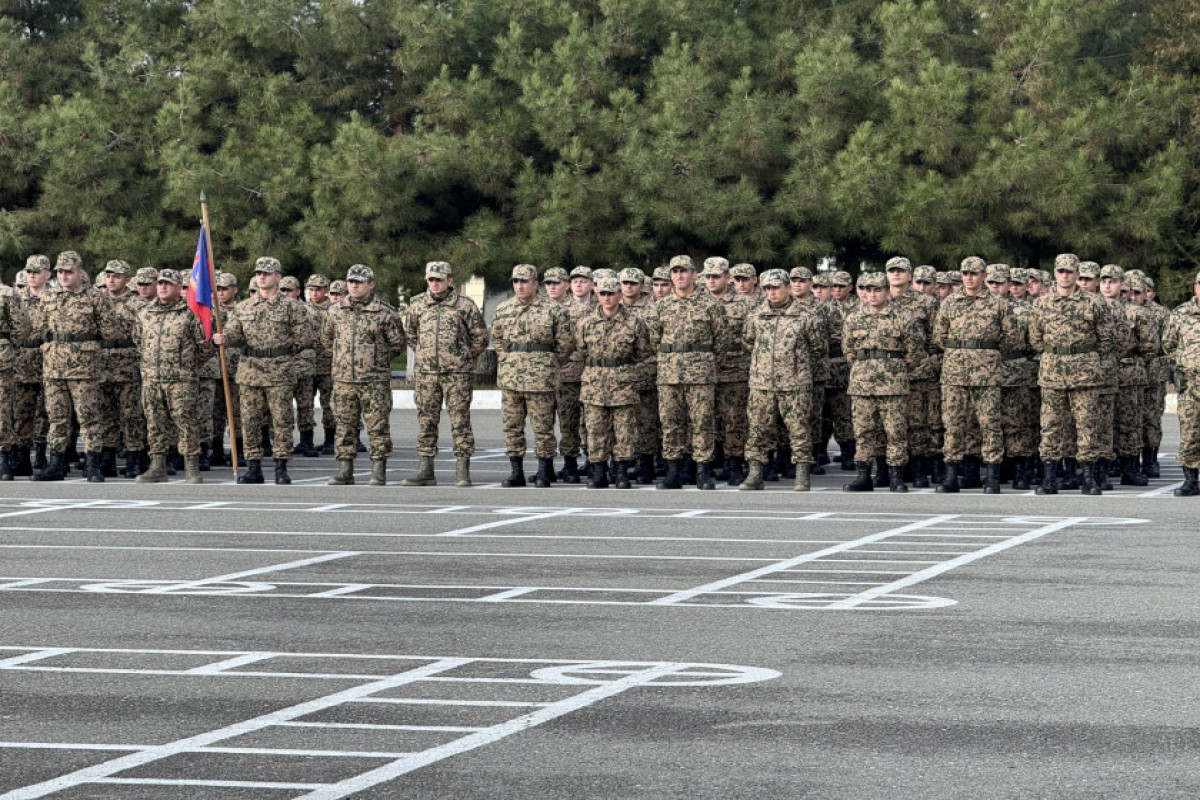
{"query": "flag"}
{"type": "Point", "coordinates": [199, 294]}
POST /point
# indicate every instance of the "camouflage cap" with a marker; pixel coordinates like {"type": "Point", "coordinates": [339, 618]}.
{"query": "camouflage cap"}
{"type": "Point", "coordinates": [661, 274]}
{"type": "Point", "coordinates": [169, 276]}
{"type": "Point", "coordinates": [582, 272]}
{"type": "Point", "coordinates": [361, 273]}
{"type": "Point", "coordinates": [646, 284]}
{"type": "Point", "coordinates": [998, 273]}
{"type": "Point", "coordinates": [682, 261]}
{"type": "Point", "coordinates": [226, 280]}
{"type": "Point", "coordinates": [435, 269]}
{"type": "Point", "coordinates": [1146, 279]}
{"type": "Point", "coordinates": [21, 278]}
{"type": "Point", "coordinates": [523, 272]}
{"type": "Point", "coordinates": [823, 279]}
{"type": "Point", "coordinates": [773, 277]}
{"type": "Point", "coordinates": [924, 274]}
{"type": "Point", "coordinates": [146, 275]}
{"type": "Point", "coordinates": [68, 259]}
{"type": "Point", "coordinates": [800, 274]}
{"type": "Point", "coordinates": [117, 267]}
{"type": "Point", "coordinates": [743, 271]}
{"type": "Point", "coordinates": [1088, 269]}
{"type": "Point", "coordinates": [872, 280]}
{"type": "Point", "coordinates": [603, 272]}
{"type": "Point", "coordinates": [632, 275]}
{"type": "Point", "coordinates": [972, 264]}
{"type": "Point", "coordinates": [943, 278]}
{"type": "Point", "coordinates": [290, 283]}
{"type": "Point", "coordinates": [38, 263]}
{"type": "Point", "coordinates": [1135, 271]}
{"type": "Point", "coordinates": [1137, 283]}
{"type": "Point", "coordinates": [1067, 261]}
{"type": "Point", "coordinates": [1112, 271]}
{"type": "Point", "coordinates": [1018, 275]}
{"type": "Point", "coordinates": [715, 265]}
{"type": "Point", "coordinates": [337, 287]}
{"type": "Point", "coordinates": [317, 280]}
{"type": "Point", "coordinates": [898, 262]}
{"type": "Point", "coordinates": [842, 278]}
{"type": "Point", "coordinates": [268, 264]}
{"type": "Point", "coordinates": [555, 275]}
{"type": "Point", "coordinates": [608, 283]}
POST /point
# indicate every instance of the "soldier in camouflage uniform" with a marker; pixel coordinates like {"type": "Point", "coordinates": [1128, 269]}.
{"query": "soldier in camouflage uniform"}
{"type": "Point", "coordinates": [787, 341]}
{"type": "Point", "coordinates": [273, 328]}
{"type": "Point", "coordinates": [316, 290]}
{"type": "Point", "coordinates": [1132, 377]}
{"type": "Point", "coordinates": [532, 337]}
{"type": "Point", "coordinates": [362, 334]}
{"type": "Point", "coordinates": [745, 281]}
{"type": "Point", "coordinates": [836, 421]}
{"type": "Point", "coordinates": [14, 329]}
{"type": "Point", "coordinates": [645, 373]}
{"type": "Point", "coordinates": [557, 285]}
{"type": "Point", "coordinates": [841, 283]}
{"type": "Point", "coordinates": [832, 317]}
{"type": "Point", "coordinates": [883, 345]}
{"type": "Point", "coordinates": [1074, 331]}
{"type": "Point", "coordinates": [304, 392]}
{"type": "Point", "coordinates": [447, 335]}
{"type": "Point", "coordinates": [1018, 377]}
{"type": "Point", "coordinates": [29, 410]}
{"type": "Point", "coordinates": [660, 283]}
{"type": "Point", "coordinates": [226, 287]}
{"type": "Point", "coordinates": [1141, 291]}
{"type": "Point", "coordinates": [121, 390]}
{"type": "Point", "coordinates": [1069, 478]}
{"type": "Point", "coordinates": [925, 422]}
{"type": "Point", "coordinates": [571, 426]}
{"type": "Point", "coordinates": [973, 329]}
{"type": "Point", "coordinates": [73, 321]}
{"type": "Point", "coordinates": [337, 292]}
{"type": "Point", "coordinates": [689, 332]}
{"type": "Point", "coordinates": [615, 342]}
{"type": "Point", "coordinates": [1181, 342]}
{"type": "Point", "coordinates": [172, 350]}
{"type": "Point", "coordinates": [733, 373]}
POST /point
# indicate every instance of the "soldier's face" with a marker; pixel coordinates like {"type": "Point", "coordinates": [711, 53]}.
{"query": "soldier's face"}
{"type": "Point", "coordinates": [717, 284]}
{"type": "Point", "coordinates": [581, 287]}
{"type": "Point", "coordinates": [631, 289]}
{"type": "Point", "coordinates": [821, 292]}
{"type": "Point", "coordinates": [944, 289]}
{"type": "Point", "coordinates": [38, 279]}
{"type": "Point", "coordinates": [998, 288]}
{"type": "Point", "coordinates": [360, 290]}
{"type": "Point", "coordinates": [1017, 290]}
{"type": "Point", "coordinates": [1138, 298]}
{"type": "Point", "coordinates": [68, 278]}
{"type": "Point", "coordinates": [335, 297]}
{"type": "Point", "coordinates": [524, 289]}
{"type": "Point", "coordinates": [972, 282]}
{"type": "Point", "coordinates": [898, 278]}
{"type": "Point", "coordinates": [267, 280]}
{"type": "Point", "coordinates": [800, 287]}
{"type": "Point", "coordinates": [608, 300]}
{"type": "Point", "coordinates": [292, 293]}
{"type": "Point", "coordinates": [317, 294]}
{"type": "Point", "coordinates": [1110, 287]}
{"type": "Point", "coordinates": [776, 294]}
{"type": "Point", "coordinates": [1067, 278]}
{"type": "Point", "coordinates": [925, 287]}
{"type": "Point", "coordinates": [876, 296]}
{"type": "Point", "coordinates": [226, 294]}
{"type": "Point", "coordinates": [556, 290]}
{"type": "Point", "coordinates": [744, 284]}
{"type": "Point", "coordinates": [115, 282]}
{"type": "Point", "coordinates": [168, 292]}
{"type": "Point", "coordinates": [661, 288]}
{"type": "Point", "coordinates": [683, 279]}
{"type": "Point", "coordinates": [146, 291]}
{"type": "Point", "coordinates": [841, 293]}
{"type": "Point", "coordinates": [1034, 287]}
{"type": "Point", "coordinates": [437, 285]}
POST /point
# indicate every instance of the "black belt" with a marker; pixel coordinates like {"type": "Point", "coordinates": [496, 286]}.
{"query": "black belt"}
{"type": "Point", "coordinates": [608, 362]}
{"type": "Point", "coordinates": [116, 344]}
{"type": "Point", "coordinates": [32, 343]}
{"type": "Point", "coordinates": [1070, 351]}
{"type": "Point", "coordinates": [269, 352]}
{"type": "Point", "coordinates": [865, 354]}
{"type": "Point", "coordinates": [972, 344]}
{"type": "Point", "coordinates": [1132, 354]}
{"type": "Point", "coordinates": [71, 338]}
{"type": "Point", "coordinates": [835, 351]}
{"type": "Point", "coordinates": [529, 347]}
{"type": "Point", "coordinates": [1016, 354]}
{"type": "Point", "coordinates": [734, 349]}
{"type": "Point", "coordinates": [684, 347]}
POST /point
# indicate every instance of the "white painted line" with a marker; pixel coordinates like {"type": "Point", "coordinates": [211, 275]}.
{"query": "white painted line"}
{"type": "Point", "coordinates": [517, 592]}
{"type": "Point", "coordinates": [29, 658]}
{"type": "Point", "coordinates": [24, 582]}
{"type": "Point", "coordinates": [281, 751]}
{"type": "Point", "coordinates": [69, 746]}
{"type": "Point", "coordinates": [343, 590]}
{"type": "Point", "coordinates": [431, 701]}
{"type": "Point", "coordinates": [1162, 490]}
{"type": "Point", "coordinates": [214, 784]}
{"type": "Point", "coordinates": [501, 523]}
{"type": "Point", "coordinates": [234, 576]}
{"type": "Point", "coordinates": [229, 663]}
{"type": "Point", "coordinates": [366, 726]}
{"type": "Point", "coordinates": [329, 507]}
{"type": "Point", "coordinates": [205, 506]}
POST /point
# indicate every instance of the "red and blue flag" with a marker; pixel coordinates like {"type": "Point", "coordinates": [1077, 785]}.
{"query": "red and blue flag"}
{"type": "Point", "coordinates": [199, 293]}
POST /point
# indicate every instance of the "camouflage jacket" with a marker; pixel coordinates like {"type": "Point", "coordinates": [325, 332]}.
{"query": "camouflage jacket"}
{"type": "Point", "coordinates": [612, 349]}
{"type": "Point", "coordinates": [323, 365]}
{"type": "Point", "coordinates": [14, 331]}
{"type": "Point", "coordinates": [1181, 343]}
{"type": "Point", "coordinates": [572, 370]}
{"type": "Point", "coordinates": [882, 348]}
{"type": "Point", "coordinates": [839, 367]}
{"type": "Point", "coordinates": [121, 357]}
{"type": "Point", "coordinates": [171, 341]}
{"type": "Point", "coordinates": [786, 346]}
{"type": "Point", "coordinates": [232, 352]}
{"type": "Point", "coordinates": [831, 319]}
{"type": "Point", "coordinates": [972, 332]}
{"type": "Point", "coordinates": [73, 325]}
{"type": "Point", "coordinates": [647, 369]}
{"type": "Point", "coordinates": [924, 309]}
{"type": "Point", "coordinates": [531, 340]}
{"type": "Point", "coordinates": [447, 335]}
{"type": "Point", "coordinates": [1074, 333]}
{"type": "Point", "coordinates": [1018, 365]}
{"type": "Point", "coordinates": [1112, 360]}
{"type": "Point", "coordinates": [1157, 368]}
{"type": "Point", "coordinates": [733, 366]}
{"type": "Point", "coordinates": [29, 351]}
{"type": "Point", "coordinates": [362, 338]}
{"type": "Point", "coordinates": [274, 330]}
{"type": "Point", "coordinates": [689, 334]}
{"type": "Point", "coordinates": [1145, 346]}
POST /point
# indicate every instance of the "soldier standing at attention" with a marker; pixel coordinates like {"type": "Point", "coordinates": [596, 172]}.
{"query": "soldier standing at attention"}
{"type": "Point", "coordinates": [1141, 291]}
{"type": "Point", "coordinates": [1181, 341]}
{"type": "Point", "coordinates": [733, 371]}
{"type": "Point", "coordinates": [173, 348]}
{"type": "Point", "coordinates": [882, 345]}
{"type": "Point", "coordinates": [689, 333]}
{"type": "Point", "coordinates": [835, 413]}
{"type": "Point", "coordinates": [316, 290]}
{"type": "Point", "coordinates": [337, 291]}
{"type": "Point", "coordinates": [226, 292]}
{"type": "Point", "coordinates": [1018, 376]}
{"type": "Point", "coordinates": [1132, 378]}
{"type": "Point", "coordinates": [557, 287]}
{"type": "Point", "coordinates": [745, 281]}
{"type": "Point", "coordinates": [924, 390]}
{"type": "Point", "coordinates": [571, 427]}
{"type": "Point", "coordinates": [29, 410]}
{"type": "Point", "coordinates": [362, 334]}
{"type": "Point", "coordinates": [14, 329]}
{"type": "Point", "coordinates": [274, 328]}
{"type": "Point", "coordinates": [121, 388]}
{"type": "Point", "coordinates": [532, 337]}
{"type": "Point", "coordinates": [74, 321]}
{"type": "Point", "coordinates": [645, 446]}
{"type": "Point", "coordinates": [306, 367]}
{"type": "Point", "coordinates": [831, 317]}
{"type": "Point", "coordinates": [447, 334]}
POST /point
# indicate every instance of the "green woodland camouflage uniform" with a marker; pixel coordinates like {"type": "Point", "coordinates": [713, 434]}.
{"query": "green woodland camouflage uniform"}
{"type": "Point", "coordinates": [1019, 398]}
{"type": "Point", "coordinates": [835, 412]}
{"type": "Point", "coordinates": [14, 329]}
{"type": "Point", "coordinates": [732, 392]}
{"type": "Point", "coordinates": [571, 426]}
{"type": "Point", "coordinates": [362, 337]}
{"type": "Point", "coordinates": [531, 340]}
{"type": "Point", "coordinates": [1181, 342]}
{"type": "Point", "coordinates": [447, 334]}
{"type": "Point", "coordinates": [121, 389]}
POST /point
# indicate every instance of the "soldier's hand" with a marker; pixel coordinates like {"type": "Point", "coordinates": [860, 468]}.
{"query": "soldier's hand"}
{"type": "Point", "coordinates": [218, 339]}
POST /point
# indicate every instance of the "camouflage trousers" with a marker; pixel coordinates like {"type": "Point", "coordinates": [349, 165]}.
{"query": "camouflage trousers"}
{"type": "Point", "coordinates": [363, 401]}
{"type": "Point", "coordinates": [835, 417]}
{"type": "Point", "coordinates": [1189, 422]}
{"type": "Point", "coordinates": [1078, 405]}
{"type": "Point", "coordinates": [646, 413]}
{"type": "Point", "coordinates": [1128, 412]}
{"type": "Point", "coordinates": [262, 405]}
{"type": "Point", "coordinates": [572, 430]}
{"type": "Point", "coordinates": [220, 420]}
{"type": "Point", "coordinates": [8, 406]}
{"type": "Point", "coordinates": [926, 422]}
{"type": "Point", "coordinates": [1020, 418]}
{"type": "Point", "coordinates": [1156, 406]}
{"type": "Point", "coordinates": [304, 394]}
{"type": "Point", "coordinates": [732, 423]}
{"type": "Point", "coordinates": [122, 420]}
{"type": "Point", "coordinates": [29, 412]}
{"type": "Point", "coordinates": [538, 407]}
{"type": "Point", "coordinates": [816, 403]}
{"type": "Point", "coordinates": [428, 393]}
{"type": "Point", "coordinates": [767, 410]}
{"type": "Point", "coordinates": [84, 397]}
{"type": "Point", "coordinates": [612, 430]}
{"type": "Point", "coordinates": [323, 388]}
{"type": "Point", "coordinates": [881, 427]}
{"type": "Point", "coordinates": [960, 406]}
{"type": "Point", "coordinates": [206, 401]}
{"type": "Point", "coordinates": [171, 416]}
{"type": "Point", "coordinates": [684, 405]}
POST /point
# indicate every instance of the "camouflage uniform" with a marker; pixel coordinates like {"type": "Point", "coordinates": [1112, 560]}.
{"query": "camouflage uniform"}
{"type": "Point", "coordinates": [121, 390]}
{"type": "Point", "coordinates": [732, 393]}
{"type": "Point", "coordinates": [925, 388]}
{"type": "Point", "coordinates": [571, 427]}
{"type": "Point", "coordinates": [323, 365]}
{"type": "Point", "coordinates": [1132, 377]}
{"type": "Point", "coordinates": [1181, 342]}
{"type": "Point", "coordinates": [14, 329]}
{"type": "Point", "coordinates": [835, 413]}
{"type": "Point", "coordinates": [219, 416]}
{"type": "Point", "coordinates": [1157, 372]}
{"type": "Point", "coordinates": [303, 394]}
{"type": "Point", "coordinates": [29, 409]}
{"type": "Point", "coordinates": [831, 319]}
{"type": "Point", "coordinates": [1018, 383]}
{"type": "Point", "coordinates": [645, 380]}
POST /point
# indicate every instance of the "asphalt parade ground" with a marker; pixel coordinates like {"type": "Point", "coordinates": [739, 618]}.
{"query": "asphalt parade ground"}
{"type": "Point", "coordinates": [224, 641]}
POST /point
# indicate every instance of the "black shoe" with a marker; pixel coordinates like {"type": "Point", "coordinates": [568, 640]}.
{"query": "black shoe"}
{"type": "Point", "coordinates": [991, 481]}
{"type": "Point", "coordinates": [545, 473]}
{"type": "Point", "coordinates": [327, 445]}
{"type": "Point", "coordinates": [1150, 462]}
{"type": "Point", "coordinates": [660, 466]}
{"type": "Point", "coordinates": [920, 476]}
{"type": "Point", "coordinates": [672, 479]}
{"type": "Point", "coordinates": [645, 470]}
{"type": "Point", "coordinates": [1020, 479]}
{"type": "Point", "coordinates": [1087, 483]}
{"type": "Point", "coordinates": [39, 455]}
{"type": "Point", "coordinates": [622, 479]}
{"type": "Point", "coordinates": [516, 478]}
{"type": "Point", "coordinates": [6, 461]}
{"type": "Point", "coordinates": [863, 482]}
{"type": "Point", "coordinates": [55, 469]}
{"type": "Point", "coordinates": [132, 463]}
{"type": "Point", "coordinates": [203, 462]}
{"type": "Point", "coordinates": [91, 468]}
{"type": "Point", "coordinates": [813, 469]}
{"type": "Point", "coordinates": [281, 474]}
{"type": "Point", "coordinates": [22, 467]}
{"type": "Point", "coordinates": [597, 475]}
{"type": "Point", "coordinates": [687, 471]}
{"type": "Point", "coordinates": [1191, 484]}
{"type": "Point", "coordinates": [1068, 478]}
{"type": "Point", "coordinates": [969, 473]}
{"type": "Point", "coordinates": [253, 473]}
{"type": "Point", "coordinates": [359, 446]}
{"type": "Point", "coordinates": [1049, 484]}
{"type": "Point", "coordinates": [1103, 480]}
{"type": "Point", "coordinates": [769, 473]}
{"type": "Point", "coordinates": [719, 462]}
{"type": "Point", "coordinates": [783, 462]}
{"type": "Point", "coordinates": [306, 447]}
{"type": "Point", "coordinates": [896, 479]}
{"type": "Point", "coordinates": [108, 462]}
{"type": "Point", "coordinates": [216, 453]}
{"type": "Point", "coordinates": [1131, 475]}
{"type": "Point", "coordinates": [570, 470]}
{"type": "Point", "coordinates": [735, 473]}
{"type": "Point", "coordinates": [847, 455]}
{"type": "Point", "coordinates": [821, 455]}
{"type": "Point", "coordinates": [881, 473]}
{"type": "Point", "coordinates": [704, 476]}
{"type": "Point", "coordinates": [949, 484]}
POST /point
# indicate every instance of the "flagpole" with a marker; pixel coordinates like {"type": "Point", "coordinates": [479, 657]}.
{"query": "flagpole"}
{"type": "Point", "coordinates": [212, 281]}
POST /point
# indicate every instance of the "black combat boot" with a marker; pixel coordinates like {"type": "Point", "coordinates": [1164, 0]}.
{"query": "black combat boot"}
{"type": "Point", "coordinates": [920, 474]}
{"type": "Point", "coordinates": [672, 479]}
{"type": "Point", "coordinates": [783, 462]}
{"type": "Point", "coordinates": [216, 453]}
{"type": "Point", "coordinates": [645, 470]}
{"type": "Point", "coordinates": [863, 482]}
{"type": "Point", "coordinates": [1131, 475]}
{"type": "Point", "coordinates": [253, 473]}
{"type": "Point", "coordinates": [622, 480]}
{"type": "Point", "coordinates": [612, 469]}
{"type": "Point", "coordinates": [22, 467]}
{"type": "Point", "coordinates": [39, 455]}
{"type": "Point", "coordinates": [1102, 477]}
{"type": "Point", "coordinates": [1150, 462]}
{"type": "Point", "coordinates": [847, 455]}
{"type": "Point", "coordinates": [719, 461]}
{"type": "Point", "coordinates": [821, 453]}
{"type": "Point", "coordinates": [734, 472]}
{"type": "Point", "coordinates": [969, 475]}
{"type": "Point", "coordinates": [597, 472]}
{"type": "Point", "coordinates": [306, 447]}
{"type": "Point", "coordinates": [6, 471]}
{"type": "Point", "coordinates": [949, 484]}
{"type": "Point", "coordinates": [991, 481]}
{"type": "Point", "coordinates": [108, 462]}
{"type": "Point", "coordinates": [55, 469]}
{"type": "Point", "coordinates": [91, 467]}
{"type": "Point", "coordinates": [1069, 477]}
{"type": "Point", "coordinates": [769, 473]}
{"type": "Point", "coordinates": [545, 473]}
{"type": "Point", "coordinates": [516, 477]}
{"type": "Point", "coordinates": [896, 479]}
{"type": "Point", "coordinates": [327, 445]}
{"type": "Point", "coordinates": [281, 474]}
{"type": "Point", "coordinates": [1087, 483]}
{"type": "Point", "coordinates": [202, 462]}
{"type": "Point", "coordinates": [1190, 486]}
{"type": "Point", "coordinates": [1020, 479]}
{"type": "Point", "coordinates": [266, 441]}
{"type": "Point", "coordinates": [660, 465]}
{"type": "Point", "coordinates": [133, 463]}
{"type": "Point", "coordinates": [704, 476]}
{"type": "Point", "coordinates": [881, 472]}
{"type": "Point", "coordinates": [687, 470]}
{"type": "Point", "coordinates": [938, 468]}
{"type": "Point", "coordinates": [570, 470]}
{"type": "Point", "coordinates": [1049, 484]}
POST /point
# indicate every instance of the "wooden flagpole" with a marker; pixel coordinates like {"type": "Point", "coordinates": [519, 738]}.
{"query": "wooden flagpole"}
{"type": "Point", "coordinates": [216, 307]}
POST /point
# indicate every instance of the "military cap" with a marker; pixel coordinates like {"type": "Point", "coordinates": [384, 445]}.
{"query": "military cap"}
{"type": "Point", "coordinates": [1135, 271]}
{"type": "Point", "coordinates": [898, 262]}
{"type": "Point", "coordinates": [955, 276]}
{"type": "Point", "coordinates": [1045, 276]}
{"type": "Point", "coordinates": [943, 278]}
{"type": "Point", "coordinates": [742, 271]}
{"type": "Point", "coordinates": [646, 283]}
{"type": "Point", "coordinates": [69, 259]}
{"type": "Point", "coordinates": [21, 278]}
{"type": "Point", "coordinates": [336, 287]}
{"type": "Point", "coordinates": [998, 273]}
{"type": "Point", "coordinates": [1112, 271]}
{"type": "Point", "coordinates": [146, 275]}
{"type": "Point", "coordinates": [582, 272]}
{"type": "Point", "coordinates": [773, 277]}
{"type": "Point", "coordinates": [924, 274]}
{"type": "Point", "coordinates": [603, 272]}
{"type": "Point", "coordinates": [1137, 283]}
{"type": "Point", "coordinates": [433, 269]}
{"type": "Point", "coordinates": [662, 274]}
{"type": "Point", "coordinates": [85, 279]}
{"type": "Point", "coordinates": [226, 279]}
{"type": "Point", "coordinates": [1067, 261]}
{"type": "Point", "coordinates": [800, 274]}
{"type": "Point", "coordinates": [316, 279]}
{"type": "Point", "coordinates": [360, 272]}
{"type": "Point", "coordinates": [169, 276]}
{"type": "Point", "coordinates": [631, 275]}
{"type": "Point", "coordinates": [715, 265]}
{"type": "Point", "coordinates": [842, 278]}
{"type": "Point", "coordinates": [1088, 269]}
{"type": "Point", "coordinates": [268, 264]}
{"type": "Point", "coordinates": [1018, 275]}
{"type": "Point", "coordinates": [608, 283]}
{"type": "Point", "coordinates": [872, 280]}
{"type": "Point", "coordinates": [972, 264]}
{"type": "Point", "coordinates": [37, 264]}
{"type": "Point", "coordinates": [290, 282]}
{"type": "Point", "coordinates": [555, 275]}
{"type": "Point", "coordinates": [523, 272]}
{"type": "Point", "coordinates": [117, 267]}
{"type": "Point", "coordinates": [683, 261]}
{"type": "Point", "coordinates": [1146, 279]}
{"type": "Point", "coordinates": [822, 279]}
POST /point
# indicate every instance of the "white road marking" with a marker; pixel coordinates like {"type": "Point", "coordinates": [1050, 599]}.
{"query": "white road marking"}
{"type": "Point", "coordinates": [501, 523]}
{"type": "Point", "coordinates": [234, 576]}
{"type": "Point", "coordinates": [1170, 487]}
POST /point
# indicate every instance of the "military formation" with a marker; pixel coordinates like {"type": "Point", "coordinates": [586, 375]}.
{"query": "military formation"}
{"type": "Point", "coordinates": [966, 379]}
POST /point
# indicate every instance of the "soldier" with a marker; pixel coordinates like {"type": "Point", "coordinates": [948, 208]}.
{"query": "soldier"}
{"type": "Point", "coordinates": [362, 334]}
{"type": "Point", "coordinates": [615, 342]}
{"type": "Point", "coordinates": [571, 427]}
{"type": "Point", "coordinates": [447, 334]}
{"type": "Point", "coordinates": [1157, 371]}
{"type": "Point", "coordinates": [832, 317]}
{"type": "Point", "coordinates": [1181, 342]}
{"type": "Point", "coordinates": [145, 283]}
{"type": "Point", "coordinates": [29, 409]}
{"type": "Point", "coordinates": [337, 291]}
{"type": "Point", "coordinates": [645, 445]}
{"type": "Point", "coordinates": [306, 364]}
{"type": "Point", "coordinates": [924, 387]}
{"type": "Point", "coordinates": [273, 328]}
{"type": "Point", "coordinates": [14, 329]}
{"type": "Point", "coordinates": [835, 414]}
{"type": "Point", "coordinates": [841, 282]}
{"type": "Point", "coordinates": [172, 349]}
{"type": "Point", "coordinates": [882, 345]}
{"type": "Point", "coordinates": [660, 283]}
{"type": "Point", "coordinates": [690, 335]}
{"type": "Point", "coordinates": [787, 343]}
{"type": "Point", "coordinates": [973, 329]}
{"type": "Point", "coordinates": [226, 291]}
{"type": "Point", "coordinates": [557, 286]}
{"type": "Point", "coordinates": [1074, 331]}
{"type": "Point", "coordinates": [74, 321]}
{"type": "Point", "coordinates": [1089, 281]}
{"type": "Point", "coordinates": [732, 392]}
{"type": "Point", "coordinates": [532, 337]}
{"type": "Point", "coordinates": [943, 285]}
{"type": "Point", "coordinates": [1132, 377]}
{"type": "Point", "coordinates": [121, 390]}
{"type": "Point", "coordinates": [925, 280]}
{"type": "Point", "coordinates": [1018, 376]}
{"type": "Point", "coordinates": [745, 281]}
{"type": "Point", "coordinates": [317, 290]}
